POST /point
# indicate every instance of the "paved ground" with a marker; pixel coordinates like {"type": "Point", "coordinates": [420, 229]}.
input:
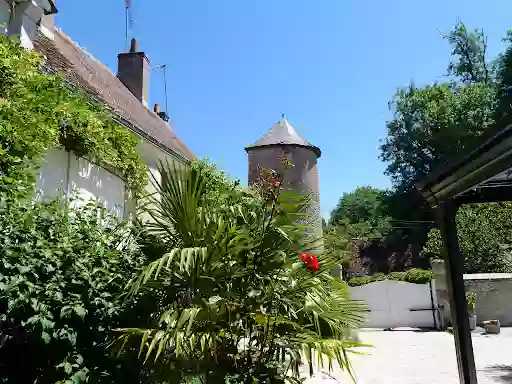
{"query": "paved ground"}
{"type": "Point", "coordinates": [414, 357]}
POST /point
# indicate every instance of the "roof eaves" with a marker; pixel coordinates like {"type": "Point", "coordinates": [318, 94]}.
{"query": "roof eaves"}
{"type": "Point", "coordinates": [119, 119]}
{"type": "Point", "coordinates": [469, 171]}
{"type": "Point", "coordinates": [315, 149]}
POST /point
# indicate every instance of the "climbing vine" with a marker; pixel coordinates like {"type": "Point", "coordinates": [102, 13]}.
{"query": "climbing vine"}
{"type": "Point", "coordinates": [39, 111]}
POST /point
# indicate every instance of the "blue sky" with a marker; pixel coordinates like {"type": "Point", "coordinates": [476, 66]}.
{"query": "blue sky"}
{"type": "Point", "coordinates": [330, 65]}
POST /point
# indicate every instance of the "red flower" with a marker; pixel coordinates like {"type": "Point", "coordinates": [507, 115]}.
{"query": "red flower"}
{"type": "Point", "coordinates": [310, 261]}
{"type": "Point", "coordinates": [275, 182]}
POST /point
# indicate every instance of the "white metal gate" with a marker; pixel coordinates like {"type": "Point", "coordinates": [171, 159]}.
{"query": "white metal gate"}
{"type": "Point", "coordinates": [394, 304]}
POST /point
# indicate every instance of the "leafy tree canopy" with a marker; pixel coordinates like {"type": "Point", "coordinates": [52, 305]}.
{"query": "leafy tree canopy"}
{"type": "Point", "coordinates": [364, 204]}
{"type": "Point", "coordinates": [485, 238]}
{"type": "Point", "coordinates": [430, 125]}
{"type": "Point", "coordinates": [434, 123]}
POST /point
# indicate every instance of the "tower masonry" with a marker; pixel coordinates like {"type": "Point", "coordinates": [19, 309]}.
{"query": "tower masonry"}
{"type": "Point", "coordinates": [282, 140]}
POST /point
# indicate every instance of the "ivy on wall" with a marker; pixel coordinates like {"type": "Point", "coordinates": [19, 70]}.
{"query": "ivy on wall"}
{"type": "Point", "coordinates": [39, 112]}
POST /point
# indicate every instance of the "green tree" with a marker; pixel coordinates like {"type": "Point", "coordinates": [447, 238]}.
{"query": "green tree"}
{"type": "Point", "coordinates": [504, 81]}
{"type": "Point", "coordinates": [485, 238]}
{"type": "Point", "coordinates": [363, 204]}
{"type": "Point", "coordinates": [236, 302]}
{"type": "Point", "coordinates": [469, 50]}
{"type": "Point", "coordinates": [365, 207]}
{"type": "Point", "coordinates": [434, 123]}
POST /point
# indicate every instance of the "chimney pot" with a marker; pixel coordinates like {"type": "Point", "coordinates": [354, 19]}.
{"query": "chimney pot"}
{"type": "Point", "coordinates": [164, 116]}
{"type": "Point", "coordinates": [134, 46]}
{"type": "Point", "coordinates": [156, 109]}
{"type": "Point", "coordinates": [133, 71]}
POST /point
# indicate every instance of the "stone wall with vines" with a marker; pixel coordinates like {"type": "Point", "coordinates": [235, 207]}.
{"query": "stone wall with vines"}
{"type": "Point", "coordinates": [39, 112]}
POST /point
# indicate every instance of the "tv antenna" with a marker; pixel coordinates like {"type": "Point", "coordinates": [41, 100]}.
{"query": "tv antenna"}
{"type": "Point", "coordinates": [163, 67]}
{"type": "Point", "coordinates": [128, 21]}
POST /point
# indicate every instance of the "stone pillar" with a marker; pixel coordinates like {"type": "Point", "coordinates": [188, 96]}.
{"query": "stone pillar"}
{"type": "Point", "coordinates": [443, 299]}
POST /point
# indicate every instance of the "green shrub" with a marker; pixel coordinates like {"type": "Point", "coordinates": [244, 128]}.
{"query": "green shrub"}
{"type": "Point", "coordinates": [60, 279]}
{"type": "Point", "coordinates": [398, 276]}
{"type": "Point", "coordinates": [418, 276]}
{"type": "Point", "coordinates": [414, 275]}
{"type": "Point", "coordinates": [360, 280]}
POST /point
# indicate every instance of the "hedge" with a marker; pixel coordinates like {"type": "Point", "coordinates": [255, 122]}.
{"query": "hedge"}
{"type": "Point", "coordinates": [414, 275]}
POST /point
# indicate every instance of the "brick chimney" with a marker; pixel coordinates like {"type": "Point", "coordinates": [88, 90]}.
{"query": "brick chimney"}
{"type": "Point", "coordinates": [133, 71]}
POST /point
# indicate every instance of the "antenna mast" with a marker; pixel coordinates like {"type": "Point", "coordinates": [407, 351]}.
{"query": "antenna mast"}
{"type": "Point", "coordinates": [128, 21]}
{"type": "Point", "coordinates": [163, 67]}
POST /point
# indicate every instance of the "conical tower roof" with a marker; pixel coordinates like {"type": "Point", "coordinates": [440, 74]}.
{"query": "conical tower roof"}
{"type": "Point", "coordinates": [283, 133]}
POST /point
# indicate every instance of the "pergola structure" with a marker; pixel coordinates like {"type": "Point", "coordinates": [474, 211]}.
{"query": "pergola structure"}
{"type": "Point", "coordinates": [481, 176]}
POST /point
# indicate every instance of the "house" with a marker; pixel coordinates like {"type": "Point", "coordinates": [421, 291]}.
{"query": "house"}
{"type": "Point", "coordinates": [125, 95]}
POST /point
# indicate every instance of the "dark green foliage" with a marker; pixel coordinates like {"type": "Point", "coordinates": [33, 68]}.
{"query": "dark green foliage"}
{"type": "Point", "coordinates": [433, 124]}
{"type": "Point", "coordinates": [372, 228]}
{"type": "Point", "coordinates": [413, 275]}
{"type": "Point", "coordinates": [469, 50]}
{"type": "Point", "coordinates": [360, 214]}
{"type": "Point", "coordinates": [484, 237]}
{"type": "Point", "coordinates": [504, 82]}
{"type": "Point", "coordinates": [39, 112]}
{"type": "Point", "coordinates": [60, 279]}
{"type": "Point", "coordinates": [220, 189]}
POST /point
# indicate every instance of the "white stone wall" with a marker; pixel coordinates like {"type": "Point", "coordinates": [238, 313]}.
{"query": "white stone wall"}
{"type": "Point", "coordinates": [63, 172]}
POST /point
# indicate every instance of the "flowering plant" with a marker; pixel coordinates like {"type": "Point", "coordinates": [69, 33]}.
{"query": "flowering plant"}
{"type": "Point", "coordinates": [311, 261]}
{"type": "Point", "coordinates": [233, 294]}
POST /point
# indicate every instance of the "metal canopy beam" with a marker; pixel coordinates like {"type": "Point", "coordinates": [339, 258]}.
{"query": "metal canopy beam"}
{"type": "Point", "coordinates": [458, 305]}
{"type": "Point", "coordinates": [486, 195]}
{"type": "Point", "coordinates": [493, 157]}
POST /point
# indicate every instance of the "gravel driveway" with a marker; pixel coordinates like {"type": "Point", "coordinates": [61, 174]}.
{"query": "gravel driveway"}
{"type": "Point", "coordinates": [416, 357]}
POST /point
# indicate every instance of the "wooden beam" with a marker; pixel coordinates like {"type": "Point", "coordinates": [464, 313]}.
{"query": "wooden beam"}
{"type": "Point", "coordinates": [455, 281]}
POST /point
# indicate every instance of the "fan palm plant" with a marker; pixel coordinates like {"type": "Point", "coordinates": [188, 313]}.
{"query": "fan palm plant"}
{"type": "Point", "coordinates": [237, 300]}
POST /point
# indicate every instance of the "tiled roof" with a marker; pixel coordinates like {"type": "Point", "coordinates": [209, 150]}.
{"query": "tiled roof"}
{"type": "Point", "coordinates": [64, 56]}
{"type": "Point", "coordinates": [283, 133]}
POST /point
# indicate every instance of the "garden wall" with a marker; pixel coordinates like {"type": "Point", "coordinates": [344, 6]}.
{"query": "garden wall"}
{"type": "Point", "coordinates": [493, 294]}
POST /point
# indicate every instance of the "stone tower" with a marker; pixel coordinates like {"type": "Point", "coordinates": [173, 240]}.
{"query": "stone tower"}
{"type": "Point", "coordinates": [283, 140]}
